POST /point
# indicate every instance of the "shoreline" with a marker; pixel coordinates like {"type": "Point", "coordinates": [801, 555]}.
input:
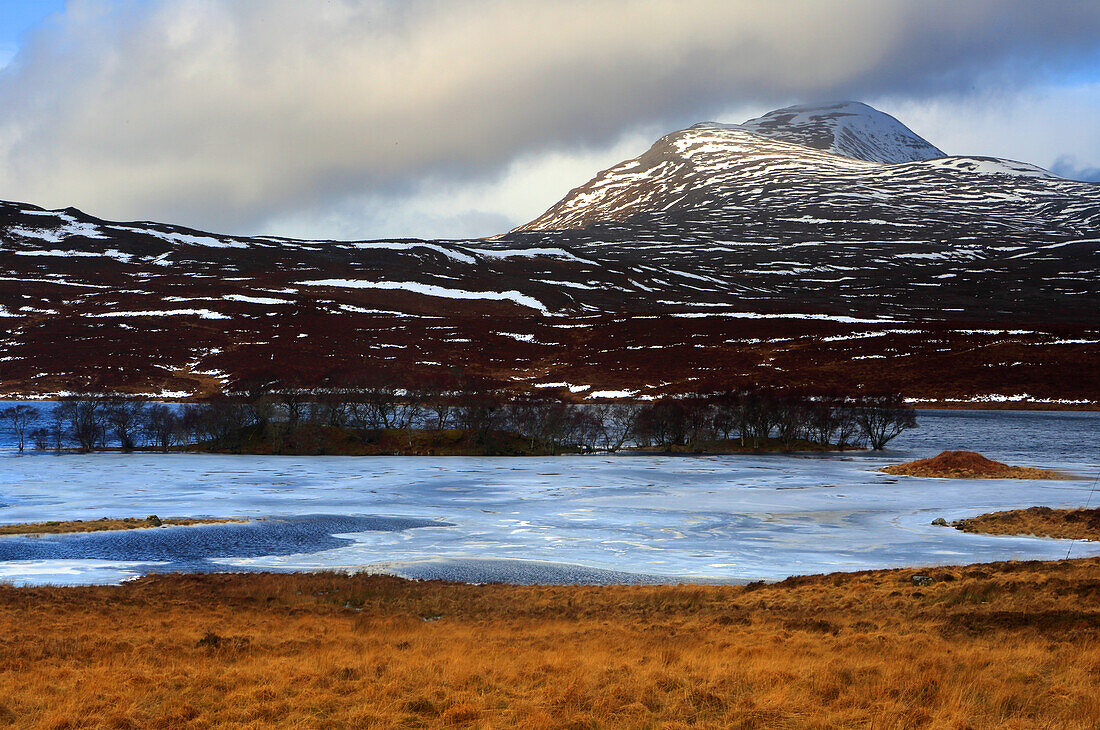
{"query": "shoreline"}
{"type": "Point", "coordinates": [1021, 406]}
{"type": "Point", "coordinates": [640, 453]}
{"type": "Point", "coordinates": [922, 405]}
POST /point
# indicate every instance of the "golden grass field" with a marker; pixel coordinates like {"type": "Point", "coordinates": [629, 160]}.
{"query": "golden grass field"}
{"type": "Point", "coordinates": [60, 527]}
{"type": "Point", "coordinates": [1011, 645]}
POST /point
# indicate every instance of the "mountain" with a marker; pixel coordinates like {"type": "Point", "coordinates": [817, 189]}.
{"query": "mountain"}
{"type": "Point", "coordinates": [795, 166]}
{"type": "Point", "coordinates": [821, 246]}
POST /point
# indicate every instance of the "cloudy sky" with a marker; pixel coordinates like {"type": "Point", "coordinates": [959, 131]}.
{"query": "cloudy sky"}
{"type": "Point", "coordinates": [453, 118]}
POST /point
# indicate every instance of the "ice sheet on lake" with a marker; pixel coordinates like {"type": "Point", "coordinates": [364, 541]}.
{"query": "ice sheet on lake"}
{"type": "Point", "coordinates": [555, 519]}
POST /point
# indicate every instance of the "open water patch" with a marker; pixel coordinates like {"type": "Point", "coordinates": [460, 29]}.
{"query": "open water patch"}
{"type": "Point", "coordinates": [194, 547]}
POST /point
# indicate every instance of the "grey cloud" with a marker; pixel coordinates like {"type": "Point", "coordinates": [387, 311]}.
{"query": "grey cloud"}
{"type": "Point", "coordinates": [227, 113]}
{"type": "Point", "coordinates": [1067, 166]}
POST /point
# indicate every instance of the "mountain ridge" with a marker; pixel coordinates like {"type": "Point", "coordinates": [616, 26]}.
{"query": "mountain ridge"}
{"type": "Point", "coordinates": [802, 140]}
{"type": "Point", "coordinates": [719, 257]}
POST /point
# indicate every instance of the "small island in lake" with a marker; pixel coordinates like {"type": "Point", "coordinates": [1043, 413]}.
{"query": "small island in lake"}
{"type": "Point", "coordinates": [968, 465]}
{"type": "Point", "coordinates": [387, 420]}
{"type": "Point", "coordinates": [1073, 524]}
{"type": "Point", "coordinates": [64, 527]}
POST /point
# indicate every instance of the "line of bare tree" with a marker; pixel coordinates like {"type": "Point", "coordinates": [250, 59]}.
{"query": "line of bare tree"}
{"type": "Point", "coordinates": [754, 416]}
{"type": "Point", "coordinates": [751, 418]}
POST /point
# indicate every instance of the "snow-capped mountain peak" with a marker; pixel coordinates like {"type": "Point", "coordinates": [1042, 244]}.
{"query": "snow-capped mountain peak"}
{"type": "Point", "coordinates": [850, 128]}
{"type": "Point", "coordinates": [829, 163]}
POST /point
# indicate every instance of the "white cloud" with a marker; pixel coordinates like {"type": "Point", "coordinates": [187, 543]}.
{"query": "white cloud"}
{"type": "Point", "coordinates": [243, 116]}
{"type": "Point", "coordinates": [446, 208]}
{"type": "Point", "coordinates": [1042, 125]}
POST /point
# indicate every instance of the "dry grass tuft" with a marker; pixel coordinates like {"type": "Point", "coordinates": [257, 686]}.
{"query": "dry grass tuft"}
{"type": "Point", "coordinates": [968, 465]}
{"type": "Point", "coordinates": [1073, 524]}
{"type": "Point", "coordinates": [105, 523]}
{"type": "Point", "coordinates": [1010, 645]}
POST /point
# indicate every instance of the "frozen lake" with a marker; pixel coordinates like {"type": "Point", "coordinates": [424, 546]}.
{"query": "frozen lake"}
{"type": "Point", "coordinates": [564, 519]}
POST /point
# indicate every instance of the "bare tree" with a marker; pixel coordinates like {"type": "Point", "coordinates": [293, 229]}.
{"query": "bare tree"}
{"type": "Point", "coordinates": [555, 421]}
{"type": "Point", "coordinates": [882, 417]}
{"type": "Point", "coordinates": [437, 397]}
{"type": "Point", "coordinates": [663, 423]}
{"type": "Point", "coordinates": [20, 417]}
{"type": "Point", "coordinates": [439, 407]}
{"type": "Point", "coordinates": [41, 438]}
{"type": "Point", "coordinates": [330, 407]}
{"type": "Point", "coordinates": [84, 416]}
{"type": "Point", "coordinates": [383, 406]}
{"type": "Point", "coordinates": [162, 426]}
{"type": "Point", "coordinates": [584, 428]}
{"type": "Point", "coordinates": [537, 417]}
{"type": "Point", "coordinates": [821, 420]}
{"type": "Point", "coordinates": [792, 414]}
{"type": "Point", "coordinates": [57, 428]}
{"type": "Point", "coordinates": [725, 413]}
{"type": "Point", "coordinates": [125, 418]}
{"type": "Point", "coordinates": [847, 430]}
{"type": "Point", "coordinates": [758, 415]}
{"type": "Point", "coordinates": [294, 401]}
{"type": "Point", "coordinates": [699, 420]}
{"type": "Point", "coordinates": [219, 420]}
{"type": "Point", "coordinates": [480, 412]}
{"type": "Point", "coordinates": [617, 424]}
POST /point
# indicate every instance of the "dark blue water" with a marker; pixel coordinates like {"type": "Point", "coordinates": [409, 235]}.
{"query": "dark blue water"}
{"type": "Point", "coordinates": [189, 548]}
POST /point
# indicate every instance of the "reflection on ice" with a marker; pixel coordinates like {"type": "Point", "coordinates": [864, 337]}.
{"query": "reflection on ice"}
{"type": "Point", "coordinates": [569, 519]}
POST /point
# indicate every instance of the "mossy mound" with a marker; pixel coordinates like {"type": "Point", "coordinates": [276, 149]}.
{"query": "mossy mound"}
{"type": "Point", "coordinates": [968, 465]}
{"type": "Point", "coordinates": [1073, 524]}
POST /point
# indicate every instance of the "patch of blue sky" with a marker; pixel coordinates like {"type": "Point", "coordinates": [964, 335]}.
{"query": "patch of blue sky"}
{"type": "Point", "coordinates": [17, 17]}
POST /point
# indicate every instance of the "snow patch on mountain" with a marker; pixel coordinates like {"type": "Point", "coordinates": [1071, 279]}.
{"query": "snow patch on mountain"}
{"type": "Point", "coordinates": [849, 128]}
{"type": "Point", "coordinates": [185, 239]}
{"type": "Point", "coordinates": [432, 290]}
{"type": "Point", "coordinates": [63, 227]}
{"type": "Point", "coordinates": [991, 166]}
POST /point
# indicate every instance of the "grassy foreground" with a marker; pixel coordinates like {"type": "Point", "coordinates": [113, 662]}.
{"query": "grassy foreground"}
{"type": "Point", "coordinates": [1011, 645]}
{"type": "Point", "coordinates": [64, 527]}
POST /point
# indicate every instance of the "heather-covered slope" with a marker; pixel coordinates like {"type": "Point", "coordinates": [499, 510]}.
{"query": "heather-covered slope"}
{"type": "Point", "coordinates": [828, 247]}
